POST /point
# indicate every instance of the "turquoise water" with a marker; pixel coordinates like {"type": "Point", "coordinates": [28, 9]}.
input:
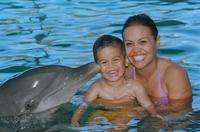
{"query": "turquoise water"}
{"type": "Point", "coordinates": [40, 32]}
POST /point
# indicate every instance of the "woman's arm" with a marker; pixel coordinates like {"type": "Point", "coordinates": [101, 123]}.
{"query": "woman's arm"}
{"type": "Point", "coordinates": [178, 87]}
{"type": "Point", "coordinates": [177, 82]}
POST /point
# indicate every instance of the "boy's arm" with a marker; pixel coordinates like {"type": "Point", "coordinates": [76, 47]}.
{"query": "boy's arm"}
{"type": "Point", "coordinates": [90, 96]}
{"type": "Point", "coordinates": [145, 101]}
{"type": "Point", "coordinates": [77, 115]}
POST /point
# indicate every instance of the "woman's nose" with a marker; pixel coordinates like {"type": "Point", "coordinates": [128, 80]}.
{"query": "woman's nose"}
{"type": "Point", "coordinates": [134, 49]}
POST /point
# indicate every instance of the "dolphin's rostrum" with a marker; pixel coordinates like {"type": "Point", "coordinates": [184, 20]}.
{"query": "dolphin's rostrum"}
{"type": "Point", "coordinates": [43, 88]}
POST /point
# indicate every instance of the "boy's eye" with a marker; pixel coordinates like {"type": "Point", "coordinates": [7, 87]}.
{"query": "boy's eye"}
{"type": "Point", "coordinates": [144, 41]}
{"type": "Point", "coordinates": [102, 62]}
{"type": "Point", "coordinates": [116, 59]}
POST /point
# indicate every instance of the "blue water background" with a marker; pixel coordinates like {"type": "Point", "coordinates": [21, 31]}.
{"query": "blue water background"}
{"type": "Point", "coordinates": [42, 32]}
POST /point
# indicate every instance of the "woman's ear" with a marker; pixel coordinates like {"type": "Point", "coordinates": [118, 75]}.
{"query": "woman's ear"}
{"type": "Point", "coordinates": [126, 61]}
{"type": "Point", "coordinates": [158, 41]}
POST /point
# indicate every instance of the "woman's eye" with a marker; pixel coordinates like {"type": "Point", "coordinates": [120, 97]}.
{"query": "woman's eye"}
{"type": "Point", "coordinates": [128, 44]}
{"type": "Point", "coordinates": [143, 42]}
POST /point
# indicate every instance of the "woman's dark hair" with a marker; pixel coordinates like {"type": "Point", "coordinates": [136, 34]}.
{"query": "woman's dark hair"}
{"type": "Point", "coordinates": [141, 19]}
{"type": "Point", "coordinates": [105, 41]}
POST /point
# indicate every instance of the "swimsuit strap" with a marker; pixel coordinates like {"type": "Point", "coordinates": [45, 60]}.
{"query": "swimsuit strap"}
{"type": "Point", "coordinates": [133, 73]}
{"type": "Point", "coordinates": [159, 85]}
{"type": "Point", "coordinates": [163, 99]}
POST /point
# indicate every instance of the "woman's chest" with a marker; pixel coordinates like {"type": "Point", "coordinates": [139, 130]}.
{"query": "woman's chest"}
{"type": "Point", "coordinates": [154, 87]}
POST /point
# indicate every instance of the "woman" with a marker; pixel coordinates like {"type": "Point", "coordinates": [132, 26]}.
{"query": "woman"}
{"type": "Point", "coordinates": [163, 80]}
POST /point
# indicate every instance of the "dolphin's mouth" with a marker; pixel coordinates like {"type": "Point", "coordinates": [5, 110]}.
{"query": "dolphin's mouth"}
{"type": "Point", "coordinates": [62, 87]}
{"type": "Point", "coordinates": [56, 97]}
{"type": "Point", "coordinates": [51, 101]}
{"type": "Point", "coordinates": [48, 99]}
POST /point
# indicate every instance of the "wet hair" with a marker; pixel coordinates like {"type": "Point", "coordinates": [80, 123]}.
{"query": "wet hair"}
{"type": "Point", "coordinates": [141, 19]}
{"type": "Point", "coordinates": [106, 41]}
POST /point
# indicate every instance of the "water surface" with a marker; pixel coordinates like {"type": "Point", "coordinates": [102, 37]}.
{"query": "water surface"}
{"type": "Point", "coordinates": [39, 32]}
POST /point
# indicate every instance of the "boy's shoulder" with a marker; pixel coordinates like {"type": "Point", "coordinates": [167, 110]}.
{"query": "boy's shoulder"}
{"type": "Point", "coordinates": [97, 84]}
{"type": "Point", "coordinates": [94, 88]}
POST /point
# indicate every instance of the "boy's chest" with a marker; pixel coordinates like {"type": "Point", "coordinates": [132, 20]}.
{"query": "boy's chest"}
{"type": "Point", "coordinates": [117, 94]}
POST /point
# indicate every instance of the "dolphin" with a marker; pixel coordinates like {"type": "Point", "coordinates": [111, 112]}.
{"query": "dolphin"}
{"type": "Point", "coordinates": [43, 88]}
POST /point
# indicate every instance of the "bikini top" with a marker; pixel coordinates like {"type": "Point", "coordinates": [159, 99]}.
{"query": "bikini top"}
{"type": "Point", "coordinates": [163, 99]}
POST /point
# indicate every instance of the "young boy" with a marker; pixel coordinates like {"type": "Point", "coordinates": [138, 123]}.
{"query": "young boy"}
{"type": "Point", "coordinates": [109, 54]}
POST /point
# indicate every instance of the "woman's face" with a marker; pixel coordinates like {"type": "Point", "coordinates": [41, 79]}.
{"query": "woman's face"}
{"type": "Point", "coordinates": [140, 45]}
{"type": "Point", "coordinates": [111, 62]}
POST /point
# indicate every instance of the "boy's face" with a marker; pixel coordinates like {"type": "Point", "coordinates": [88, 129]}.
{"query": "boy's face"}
{"type": "Point", "coordinates": [111, 62]}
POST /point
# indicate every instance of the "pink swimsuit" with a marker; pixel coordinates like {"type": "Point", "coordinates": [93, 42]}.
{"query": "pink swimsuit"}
{"type": "Point", "coordinates": [163, 99]}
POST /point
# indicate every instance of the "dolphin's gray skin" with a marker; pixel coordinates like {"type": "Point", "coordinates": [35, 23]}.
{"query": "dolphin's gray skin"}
{"type": "Point", "coordinates": [43, 88]}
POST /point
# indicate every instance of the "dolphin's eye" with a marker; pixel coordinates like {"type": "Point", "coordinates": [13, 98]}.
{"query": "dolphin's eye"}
{"type": "Point", "coordinates": [29, 105]}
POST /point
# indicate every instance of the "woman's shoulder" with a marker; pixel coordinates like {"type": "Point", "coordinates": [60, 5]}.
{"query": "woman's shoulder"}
{"type": "Point", "coordinates": [176, 79]}
{"type": "Point", "coordinates": [170, 69]}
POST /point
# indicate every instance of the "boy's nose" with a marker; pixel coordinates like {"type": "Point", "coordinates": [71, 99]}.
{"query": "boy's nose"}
{"type": "Point", "coordinates": [110, 64]}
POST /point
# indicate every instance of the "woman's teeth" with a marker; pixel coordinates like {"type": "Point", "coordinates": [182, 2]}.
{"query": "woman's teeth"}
{"type": "Point", "coordinates": [139, 57]}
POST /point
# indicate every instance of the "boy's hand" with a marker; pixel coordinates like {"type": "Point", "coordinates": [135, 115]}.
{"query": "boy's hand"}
{"type": "Point", "coordinates": [75, 123]}
{"type": "Point", "coordinates": [76, 116]}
